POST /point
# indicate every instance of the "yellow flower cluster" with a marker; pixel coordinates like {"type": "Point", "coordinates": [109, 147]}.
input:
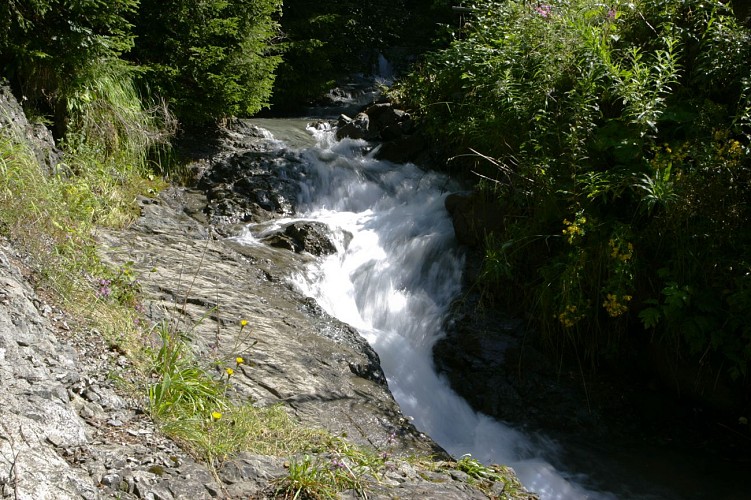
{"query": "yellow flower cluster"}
{"type": "Point", "coordinates": [735, 148]}
{"type": "Point", "coordinates": [569, 316]}
{"type": "Point", "coordinates": [728, 151]}
{"type": "Point", "coordinates": [667, 158]}
{"type": "Point", "coordinates": [574, 229]}
{"type": "Point", "coordinates": [615, 305]}
{"type": "Point", "coordinates": [624, 253]}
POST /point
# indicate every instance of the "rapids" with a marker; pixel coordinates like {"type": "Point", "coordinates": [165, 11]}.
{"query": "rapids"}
{"type": "Point", "coordinates": [396, 270]}
{"type": "Point", "coordinates": [395, 273]}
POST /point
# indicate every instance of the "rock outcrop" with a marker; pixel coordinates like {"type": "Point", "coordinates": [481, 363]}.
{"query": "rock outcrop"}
{"type": "Point", "coordinates": [67, 433]}
{"type": "Point", "coordinates": [13, 123]}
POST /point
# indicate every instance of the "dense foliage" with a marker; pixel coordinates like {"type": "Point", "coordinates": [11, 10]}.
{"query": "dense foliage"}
{"type": "Point", "coordinates": [326, 41]}
{"type": "Point", "coordinates": [209, 58]}
{"type": "Point", "coordinates": [616, 137]}
{"type": "Point", "coordinates": [50, 49]}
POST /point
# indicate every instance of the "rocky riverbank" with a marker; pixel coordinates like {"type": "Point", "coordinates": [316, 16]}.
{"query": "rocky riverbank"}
{"type": "Point", "coordinates": [67, 431]}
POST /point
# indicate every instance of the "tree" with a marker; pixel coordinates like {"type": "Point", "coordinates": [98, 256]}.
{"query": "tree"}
{"type": "Point", "coordinates": [209, 58]}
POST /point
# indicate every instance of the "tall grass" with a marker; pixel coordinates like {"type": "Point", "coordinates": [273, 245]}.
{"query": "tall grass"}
{"type": "Point", "coordinates": [110, 125]}
{"type": "Point", "coordinates": [53, 217]}
{"type": "Point", "coordinates": [196, 408]}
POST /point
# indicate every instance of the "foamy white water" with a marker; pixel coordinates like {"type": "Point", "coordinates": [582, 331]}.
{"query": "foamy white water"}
{"type": "Point", "coordinates": [395, 273]}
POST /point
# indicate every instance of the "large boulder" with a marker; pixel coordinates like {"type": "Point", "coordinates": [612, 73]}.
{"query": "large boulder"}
{"type": "Point", "coordinates": [403, 149]}
{"type": "Point", "coordinates": [250, 186]}
{"type": "Point", "coordinates": [357, 128]}
{"type": "Point", "coordinates": [392, 127]}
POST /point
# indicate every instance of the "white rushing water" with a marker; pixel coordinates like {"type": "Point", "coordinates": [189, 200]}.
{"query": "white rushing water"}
{"type": "Point", "coordinates": [395, 273]}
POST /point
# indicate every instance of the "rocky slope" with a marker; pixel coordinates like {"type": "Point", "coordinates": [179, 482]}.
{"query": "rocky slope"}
{"type": "Point", "coordinates": [66, 432]}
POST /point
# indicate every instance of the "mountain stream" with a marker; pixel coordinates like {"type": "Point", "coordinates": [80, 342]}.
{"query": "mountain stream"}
{"type": "Point", "coordinates": [396, 270]}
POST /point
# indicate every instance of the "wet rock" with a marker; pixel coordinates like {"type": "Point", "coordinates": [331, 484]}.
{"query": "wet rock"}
{"type": "Point", "coordinates": [393, 128]}
{"type": "Point", "coordinates": [357, 128]}
{"type": "Point", "coordinates": [310, 237]}
{"type": "Point", "coordinates": [474, 216]}
{"type": "Point", "coordinates": [410, 148]}
{"type": "Point", "coordinates": [250, 187]}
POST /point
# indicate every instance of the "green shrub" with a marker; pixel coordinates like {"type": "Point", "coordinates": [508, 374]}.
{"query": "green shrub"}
{"type": "Point", "coordinates": [618, 138]}
{"type": "Point", "coordinates": [46, 43]}
{"type": "Point", "coordinates": [108, 119]}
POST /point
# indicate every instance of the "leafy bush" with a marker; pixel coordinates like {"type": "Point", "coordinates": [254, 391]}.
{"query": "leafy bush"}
{"type": "Point", "coordinates": [619, 139]}
{"type": "Point", "coordinates": [46, 43]}
{"type": "Point", "coordinates": [109, 119]}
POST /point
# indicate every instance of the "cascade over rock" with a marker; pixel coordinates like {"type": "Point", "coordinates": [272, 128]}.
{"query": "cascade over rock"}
{"type": "Point", "coordinates": [67, 433]}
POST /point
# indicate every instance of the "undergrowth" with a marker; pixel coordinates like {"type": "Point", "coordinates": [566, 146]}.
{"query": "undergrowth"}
{"type": "Point", "coordinates": [616, 138]}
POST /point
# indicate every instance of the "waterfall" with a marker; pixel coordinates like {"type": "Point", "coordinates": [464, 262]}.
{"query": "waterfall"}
{"type": "Point", "coordinates": [393, 277]}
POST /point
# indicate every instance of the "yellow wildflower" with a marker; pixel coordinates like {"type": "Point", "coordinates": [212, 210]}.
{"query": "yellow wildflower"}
{"type": "Point", "coordinates": [573, 229]}
{"type": "Point", "coordinates": [243, 323]}
{"type": "Point", "coordinates": [617, 251]}
{"type": "Point", "coordinates": [569, 316]}
{"type": "Point", "coordinates": [215, 415]}
{"type": "Point", "coordinates": [616, 306]}
{"type": "Point", "coordinates": [239, 360]}
{"type": "Point", "coordinates": [229, 371]}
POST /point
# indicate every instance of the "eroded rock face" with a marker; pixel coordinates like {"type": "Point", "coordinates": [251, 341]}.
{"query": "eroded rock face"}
{"type": "Point", "coordinates": [252, 186]}
{"type": "Point", "coordinates": [13, 123]}
{"type": "Point", "coordinates": [65, 433]}
{"type": "Point", "coordinates": [36, 406]}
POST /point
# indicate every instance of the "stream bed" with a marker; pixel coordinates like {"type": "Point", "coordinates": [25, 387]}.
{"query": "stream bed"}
{"type": "Point", "coordinates": [396, 270]}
